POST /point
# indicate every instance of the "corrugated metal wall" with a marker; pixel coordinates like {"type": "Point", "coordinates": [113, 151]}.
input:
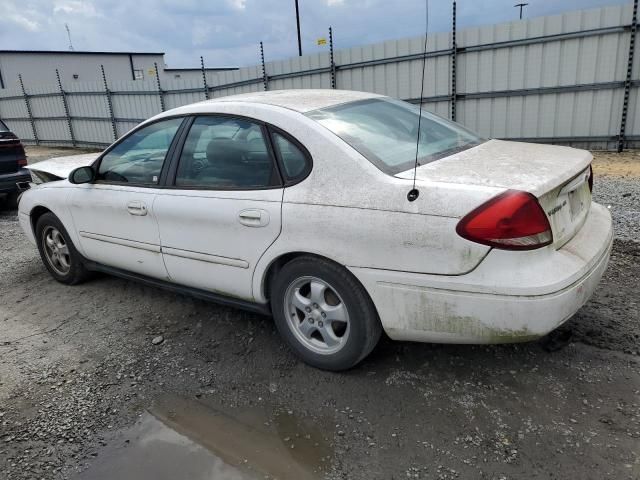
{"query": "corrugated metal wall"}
{"type": "Point", "coordinates": [556, 79]}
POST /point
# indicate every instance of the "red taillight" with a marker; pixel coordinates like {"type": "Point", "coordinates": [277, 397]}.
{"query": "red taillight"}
{"type": "Point", "coordinates": [513, 220]}
{"type": "Point", "coordinates": [590, 178]}
{"type": "Point", "coordinates": [22, 162]}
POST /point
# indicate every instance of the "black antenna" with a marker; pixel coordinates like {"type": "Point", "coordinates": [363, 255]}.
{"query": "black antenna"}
{"type": "Point", "coordinates": [414, 193]}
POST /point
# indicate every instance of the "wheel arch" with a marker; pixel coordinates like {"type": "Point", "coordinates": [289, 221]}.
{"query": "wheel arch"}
{"type": "Point", "coordinates": [274, 266]}
{"type": "Point", "coordinates": [37, 210]}
{"type": "Point", "coordinates": [263, 287]}
{"type": "Point", "coordinates": [35, 214]}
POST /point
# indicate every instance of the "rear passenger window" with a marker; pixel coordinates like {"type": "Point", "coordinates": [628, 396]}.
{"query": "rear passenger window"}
{"type": "Point", "coordinates": [223, 152]}
{"type": "Point", "coordinates": [293, 159]}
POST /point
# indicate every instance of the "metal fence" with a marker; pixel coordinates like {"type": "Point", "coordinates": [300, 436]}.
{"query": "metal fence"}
{"type": "Point", "coordinates": [569, 78]}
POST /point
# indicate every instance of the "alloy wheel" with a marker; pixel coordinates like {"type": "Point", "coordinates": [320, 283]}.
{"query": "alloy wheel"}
{"type": "Point", "coordinates": [56, 250]}
{"type": "Point", "coordinates": [317, 315]}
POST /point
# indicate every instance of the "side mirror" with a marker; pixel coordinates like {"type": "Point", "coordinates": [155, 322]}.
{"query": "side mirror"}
{"type": "Point", "coordinates": [82, 175]}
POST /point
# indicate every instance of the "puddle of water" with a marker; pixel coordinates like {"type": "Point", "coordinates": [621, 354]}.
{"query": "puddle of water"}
{"type": "Point", "coordinates": [156, 451]}
{"type": "Point", "coordinates": [183, 439]}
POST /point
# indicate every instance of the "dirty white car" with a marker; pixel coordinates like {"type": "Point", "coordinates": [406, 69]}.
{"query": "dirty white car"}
{"type": "Point", "coordinates": [295, 203]}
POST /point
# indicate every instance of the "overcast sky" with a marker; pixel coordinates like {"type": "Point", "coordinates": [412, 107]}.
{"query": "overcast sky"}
{"type": "Point", "coordinates": [227, 32]}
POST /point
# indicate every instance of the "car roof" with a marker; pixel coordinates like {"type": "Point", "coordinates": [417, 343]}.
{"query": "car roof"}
{"type": "Point", "coordinates": [302, 101]}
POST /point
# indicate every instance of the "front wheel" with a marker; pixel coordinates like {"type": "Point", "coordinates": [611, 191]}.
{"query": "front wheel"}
{"type": "Point", "coordinates": [57, 251]}
{"type": "Point", "coordinates": [324, 313]}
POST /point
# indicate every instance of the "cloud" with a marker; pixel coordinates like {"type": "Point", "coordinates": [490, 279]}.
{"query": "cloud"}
{"type": "Point", "coordinates": [15, 17]}
{"type": "Point", "coordinates": [23, 22]}
{"type": "Point", "coordinates": [238, 4]}
{"type": "Point", "coordinates": [227, 32]}
{"type": "Point", "coordinates": [75, 7]}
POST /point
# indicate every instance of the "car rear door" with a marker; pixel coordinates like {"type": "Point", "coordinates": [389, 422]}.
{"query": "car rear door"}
{"type": "Point", "coordinates": [221, 209]}
{"type": "Point", "coordinates": [114, 216]}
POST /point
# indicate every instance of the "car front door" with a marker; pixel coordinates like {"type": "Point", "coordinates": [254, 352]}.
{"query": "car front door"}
{"type": "Point", "coordinates": [114, 216]}
{"type": "Point", "coordinates": [222, 207]}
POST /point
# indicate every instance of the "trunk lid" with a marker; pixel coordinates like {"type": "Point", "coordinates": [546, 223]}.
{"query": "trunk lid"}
{"type": "Point", "coordinates": [557, 176]}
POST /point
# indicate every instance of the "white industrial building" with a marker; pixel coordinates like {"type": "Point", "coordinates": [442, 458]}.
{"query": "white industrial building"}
{"type": "Point", "coordinates": [38, 67]}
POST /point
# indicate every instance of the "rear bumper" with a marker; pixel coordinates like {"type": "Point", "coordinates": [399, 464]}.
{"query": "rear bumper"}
{"type": "Point", "coordinates": [8, 181]}
{"type": "Point", "coordinates": [509, 297]}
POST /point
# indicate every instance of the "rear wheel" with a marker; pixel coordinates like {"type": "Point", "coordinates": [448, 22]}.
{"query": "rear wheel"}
{"type": "Point", "coordinates": [324, 313]}
{"type": "Point", "coordinates": [57, 251]}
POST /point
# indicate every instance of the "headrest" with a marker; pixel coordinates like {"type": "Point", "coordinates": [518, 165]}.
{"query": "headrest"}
{"type": "Point", "coordinates": [223, 150]}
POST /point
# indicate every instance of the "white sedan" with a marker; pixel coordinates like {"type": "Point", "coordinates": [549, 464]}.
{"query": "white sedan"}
{"type": "Point", "coordinates": [295, 204]}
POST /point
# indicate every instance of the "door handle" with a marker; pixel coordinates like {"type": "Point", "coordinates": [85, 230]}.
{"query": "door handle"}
{"type": "Point", "coordinates": [254, 217]}
{"type": "Point", "coordinates": [137, 208]}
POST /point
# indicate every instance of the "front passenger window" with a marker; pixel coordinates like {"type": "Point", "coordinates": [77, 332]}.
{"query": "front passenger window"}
{"type": "Point", "coordinates": [226, 153]}
{"type": "Point", "coordinates": [139, 157]}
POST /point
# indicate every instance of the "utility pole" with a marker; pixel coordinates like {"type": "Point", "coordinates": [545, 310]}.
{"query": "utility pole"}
{"type": "Point", "coordinates": [298, 24]}
{"type": "Point", "coordinates": [521, 5]}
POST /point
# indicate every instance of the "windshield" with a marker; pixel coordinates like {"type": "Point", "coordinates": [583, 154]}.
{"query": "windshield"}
{"type": "Point", "coordinates": [3, 127]}
{"type": "Point", "coordinates": [385, 132]}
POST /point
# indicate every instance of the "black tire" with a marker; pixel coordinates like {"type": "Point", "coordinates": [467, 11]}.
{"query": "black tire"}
{"type": "Point", "coordinates": [364, 324]}
{"type": "Point", "coordinates": [77, 272]}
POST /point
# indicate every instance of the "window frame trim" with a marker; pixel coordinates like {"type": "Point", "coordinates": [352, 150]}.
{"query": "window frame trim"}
{"type": "Point", "coordinates": [289, 181]}
{"type": "Point", "coordinates": [170, 166]}
{"type": "Point", "coordinates": [165, 164]}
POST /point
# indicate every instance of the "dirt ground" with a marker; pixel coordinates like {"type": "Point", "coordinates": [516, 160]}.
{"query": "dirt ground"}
{"type": "Point", "coordinates": [36, 153]}
{"type": "Point", "coordinates": [91, 375]}
{"type": "Point", "coordinates": [625, 165]}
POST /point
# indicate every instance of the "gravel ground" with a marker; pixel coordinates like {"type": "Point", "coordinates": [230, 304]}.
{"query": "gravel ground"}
{"type": "Point", "coordinates": [81, 365]}
{"type": "Point", "coordinates": [616, 186]}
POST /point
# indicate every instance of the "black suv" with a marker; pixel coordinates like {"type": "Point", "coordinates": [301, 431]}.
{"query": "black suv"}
{"type": "Point", "coordinates": [12, 163]}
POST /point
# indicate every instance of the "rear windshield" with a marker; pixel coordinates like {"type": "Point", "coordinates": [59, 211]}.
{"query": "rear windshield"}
{"type": "Point", "coordinates": [385, 131]}
{"type": "Point", "coordinates": [3, 127]}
